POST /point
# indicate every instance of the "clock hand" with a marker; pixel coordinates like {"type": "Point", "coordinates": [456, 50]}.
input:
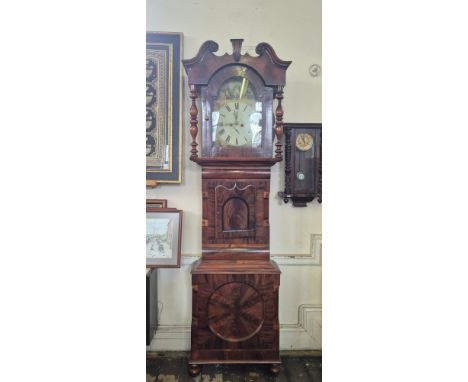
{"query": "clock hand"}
{"type": "Point", "coordinates": [244, 85]}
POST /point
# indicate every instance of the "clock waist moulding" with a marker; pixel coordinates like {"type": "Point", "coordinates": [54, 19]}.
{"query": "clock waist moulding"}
{"type": "Point", "coordinates": [235, 284]}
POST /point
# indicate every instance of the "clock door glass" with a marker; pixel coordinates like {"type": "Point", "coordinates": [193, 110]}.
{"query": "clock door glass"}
{"type": "Point", "coordinates": [236, 115]}
{"type": "Point", "coordinates": [304, 161]}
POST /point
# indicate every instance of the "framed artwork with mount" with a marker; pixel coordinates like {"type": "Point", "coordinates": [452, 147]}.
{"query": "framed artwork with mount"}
{"type": "Point", "coordinates": [302, 163]}
{"type": "Point", "coordinates": [163, 237]}
{"type": "Point", "coordinates": [163, 107]}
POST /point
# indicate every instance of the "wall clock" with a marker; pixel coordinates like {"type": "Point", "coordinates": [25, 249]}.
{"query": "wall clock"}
{"type": "Point", "coordinates": [235, 284]}
{"type": "Point", "coordinates": [303, 163]}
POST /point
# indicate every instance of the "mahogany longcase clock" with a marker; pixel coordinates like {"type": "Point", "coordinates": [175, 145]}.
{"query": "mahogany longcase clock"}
{"type": "Point", "coordinates": [235, 284]}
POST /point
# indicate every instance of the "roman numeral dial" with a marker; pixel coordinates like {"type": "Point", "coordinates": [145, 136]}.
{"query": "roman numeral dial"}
{"type": "Point", "coordinates": [232, 124]}
{"type": "Point", "coordinates": [236, 115]}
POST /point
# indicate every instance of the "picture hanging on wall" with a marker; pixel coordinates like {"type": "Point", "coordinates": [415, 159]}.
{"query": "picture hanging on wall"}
{"type": "Point", "coordinates": [163, 237]}
{"type": "Point", "coordinates": [163, 107]}
{"type": "Point", "coordinates": [156, 203]}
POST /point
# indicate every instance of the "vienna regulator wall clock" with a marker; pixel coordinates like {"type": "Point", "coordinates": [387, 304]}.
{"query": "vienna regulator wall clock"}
{"type": "Point", "coordinates": [303, 163]}
{"type": "Point", "coordinates": [235, 284]}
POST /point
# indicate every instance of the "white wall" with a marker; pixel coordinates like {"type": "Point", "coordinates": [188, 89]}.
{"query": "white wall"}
{"type": "Point", "coordinates": [293, 28]}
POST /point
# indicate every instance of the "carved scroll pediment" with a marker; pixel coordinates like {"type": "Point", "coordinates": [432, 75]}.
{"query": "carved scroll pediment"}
{"type": "Point", "coordinates": [201, 67]}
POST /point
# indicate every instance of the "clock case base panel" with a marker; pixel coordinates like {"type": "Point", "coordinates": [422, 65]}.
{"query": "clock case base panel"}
{"type": "Point", "coordinates": [261, 280]}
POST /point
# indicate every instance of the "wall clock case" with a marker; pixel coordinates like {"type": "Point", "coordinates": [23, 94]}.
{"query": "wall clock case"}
{"type": "Point", "coordinates": [303, 163]}
{"type": "Point", "coordinates": [235, 283]}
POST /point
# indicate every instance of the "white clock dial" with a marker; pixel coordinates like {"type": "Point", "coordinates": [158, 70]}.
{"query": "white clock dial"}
{"type": "Point", "coordinates": [236, 117]}
{"type": "Point", "coordinates": [233, 124]}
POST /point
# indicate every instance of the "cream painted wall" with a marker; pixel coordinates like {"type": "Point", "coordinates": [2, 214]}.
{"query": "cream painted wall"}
{"type": "Point", "coordinates": [293, 28]}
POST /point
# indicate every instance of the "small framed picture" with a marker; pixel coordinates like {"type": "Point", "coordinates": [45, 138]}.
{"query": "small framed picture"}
{"type": "Point", "coordinates": [163, 237]}
{"type": "Point", "coordinates": [156, 203]}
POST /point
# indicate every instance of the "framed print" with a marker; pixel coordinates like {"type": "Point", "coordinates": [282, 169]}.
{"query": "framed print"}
{"type": "Point", "coordinates": [163, 237]}
{"type": "Point", "coordinates": [156, 203]}
{"type": "Point", "coordinates": [163, 107]}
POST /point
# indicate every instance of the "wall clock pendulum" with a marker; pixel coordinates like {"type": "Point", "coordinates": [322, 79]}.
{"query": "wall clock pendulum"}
{"type": "Point", "coordinates": [235, 284]}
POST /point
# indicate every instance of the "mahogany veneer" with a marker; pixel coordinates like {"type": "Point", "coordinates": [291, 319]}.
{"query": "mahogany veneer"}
{"type": "Point", "coordinates": [235, 284]}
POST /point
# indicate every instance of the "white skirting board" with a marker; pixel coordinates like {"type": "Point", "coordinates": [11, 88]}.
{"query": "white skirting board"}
{"type": "Point", "coordinates": [305, 335]}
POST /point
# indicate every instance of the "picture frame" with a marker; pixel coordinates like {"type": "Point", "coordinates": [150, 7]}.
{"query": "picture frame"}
{"type": "Point", "coordinates": [163, 107]}
{"type": "Point", "coordinates": [163, 237]}
{"type": "Point", "coordinates": [156, 203]}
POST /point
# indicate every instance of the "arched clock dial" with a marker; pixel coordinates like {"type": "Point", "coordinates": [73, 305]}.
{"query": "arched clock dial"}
{"type": "Point", "coordinates": [237, 115]}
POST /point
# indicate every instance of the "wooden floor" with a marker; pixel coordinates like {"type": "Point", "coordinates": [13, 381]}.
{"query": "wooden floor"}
{"type": "Point", "coordinates": [172, 367]}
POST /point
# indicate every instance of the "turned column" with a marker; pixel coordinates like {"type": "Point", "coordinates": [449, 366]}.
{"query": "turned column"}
{"type": "Point", "coordinates": [193, 122]}
{"type": "Point", "coordinates": [279, 123]}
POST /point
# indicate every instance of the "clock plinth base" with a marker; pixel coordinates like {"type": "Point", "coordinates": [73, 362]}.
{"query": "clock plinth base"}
{"type": "Point", "coordinates": [194, 369]}
{"type": "Point", "coordinates": [235, 312]}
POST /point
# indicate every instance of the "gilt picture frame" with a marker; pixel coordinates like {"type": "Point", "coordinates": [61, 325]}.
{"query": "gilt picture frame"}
{"type": "Point", "coordinates": [156, 203]}
{"type": "Point", "coordinates": [163, 237]}
{"type": "Point", "coordinates": [163, 107]}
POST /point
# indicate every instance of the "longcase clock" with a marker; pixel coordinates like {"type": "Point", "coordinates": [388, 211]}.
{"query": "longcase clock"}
{"type": "Point", "coordinates": [235, 283]}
